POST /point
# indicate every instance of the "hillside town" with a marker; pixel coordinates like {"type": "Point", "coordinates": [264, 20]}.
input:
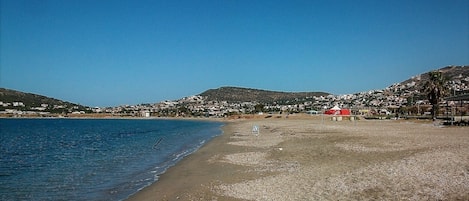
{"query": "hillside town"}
{"type": "Point", "coordinates": [403, 98]}
{"type": "Point", "coordinates": [18, 108]}
{"type": "Point", "coordinates": [396, 99]}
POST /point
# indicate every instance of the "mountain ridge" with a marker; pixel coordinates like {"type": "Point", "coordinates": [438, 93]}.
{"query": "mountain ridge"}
{"type": "Point", "coordinates": [241, 94]}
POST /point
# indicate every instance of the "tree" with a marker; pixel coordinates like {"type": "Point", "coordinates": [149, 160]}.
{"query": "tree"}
{"type": "Point", "coordinates": [259, 108]}
{"type": "Point", "coordinates": [435, 88]}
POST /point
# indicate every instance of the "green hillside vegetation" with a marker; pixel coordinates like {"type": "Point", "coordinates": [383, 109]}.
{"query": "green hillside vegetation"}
{"type": "Point", "coordinates": [239, 95]}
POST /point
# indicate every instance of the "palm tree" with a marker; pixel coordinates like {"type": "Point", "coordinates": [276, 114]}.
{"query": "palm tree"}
{"type": "Point", "coordinates": [435, 88]}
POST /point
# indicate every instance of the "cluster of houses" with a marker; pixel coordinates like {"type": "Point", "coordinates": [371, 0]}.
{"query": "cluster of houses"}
{"type": "Point", "coordinates": [18, 108]}
{"type": "Point", "coordinates": [402, 98]}
{"type": "Point", "coordinates": [396, 99]}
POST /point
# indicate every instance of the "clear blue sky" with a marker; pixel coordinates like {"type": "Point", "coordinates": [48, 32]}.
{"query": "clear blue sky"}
{"type": "Point", "coordinates": [109, 53]}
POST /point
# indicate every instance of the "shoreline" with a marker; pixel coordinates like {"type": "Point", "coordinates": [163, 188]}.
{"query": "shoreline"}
{"type": "Point", "coordinates": [125, 118]}
{"type": "Point", "coordinates": [174, 180]}
{"type": "Point", "coordinates": [307, 158]}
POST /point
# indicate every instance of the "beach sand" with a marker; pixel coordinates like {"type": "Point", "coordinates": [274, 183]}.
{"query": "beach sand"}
{"type": "Point", "coordinates": [311, 158]}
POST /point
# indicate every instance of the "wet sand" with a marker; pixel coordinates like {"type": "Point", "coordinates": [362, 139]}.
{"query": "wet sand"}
{"type": "Point", "coordinates": [308, 158]}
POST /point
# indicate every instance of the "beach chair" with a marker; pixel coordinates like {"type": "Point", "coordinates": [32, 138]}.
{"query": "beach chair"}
{"type": "Point", "coordinates": [255, 130]}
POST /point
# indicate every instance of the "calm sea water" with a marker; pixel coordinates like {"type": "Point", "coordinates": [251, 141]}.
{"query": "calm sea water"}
{"type": "Point", "coordinates": [73, 159]}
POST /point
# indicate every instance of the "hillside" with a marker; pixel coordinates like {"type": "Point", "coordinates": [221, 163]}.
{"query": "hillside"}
{"type": "Point", "coordinates": [457, 77]}
{"type": "Point", "coordinates": [238, 94]}
{"type": "Point", "coordinates": [403, 94]}
{"type": "Point", "coordinates": [29, 101]}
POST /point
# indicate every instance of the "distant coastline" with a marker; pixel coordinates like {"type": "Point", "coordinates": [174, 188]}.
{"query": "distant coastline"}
{"type": "Point", "coordinates": [94, 116]}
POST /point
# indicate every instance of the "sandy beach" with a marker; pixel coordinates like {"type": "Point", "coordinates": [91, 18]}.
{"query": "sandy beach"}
{"type": "Point", "coordinates": [311, 158]}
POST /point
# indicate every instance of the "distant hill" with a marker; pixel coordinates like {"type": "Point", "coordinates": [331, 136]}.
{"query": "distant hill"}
{"type": "Point", "coordinates": [29, 100]}
{"type": "Point", "coordinates": [238, 94]}
{"type": "Point", "coordinates": [457, 77]}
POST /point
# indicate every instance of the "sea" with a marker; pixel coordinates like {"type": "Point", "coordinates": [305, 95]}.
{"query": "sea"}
{"type": "Point", "coordinates": [92, 159]}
